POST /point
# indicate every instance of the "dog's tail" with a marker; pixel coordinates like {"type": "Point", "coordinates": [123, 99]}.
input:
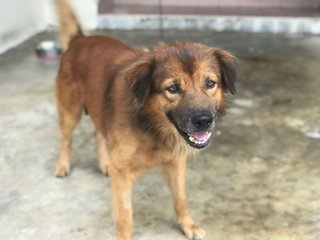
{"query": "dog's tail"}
{"type": "Point", "coordinates": [69, 26]}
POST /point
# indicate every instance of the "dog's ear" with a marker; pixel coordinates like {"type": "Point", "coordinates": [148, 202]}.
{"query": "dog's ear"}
{"type": "Point", "coordinates": [139, 76]}
{"type": "Point", "coordinates": [228, 69]}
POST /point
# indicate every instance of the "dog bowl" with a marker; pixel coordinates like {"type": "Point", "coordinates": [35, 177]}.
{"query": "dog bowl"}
{"type": "Point", "coordinates": [48, 50]}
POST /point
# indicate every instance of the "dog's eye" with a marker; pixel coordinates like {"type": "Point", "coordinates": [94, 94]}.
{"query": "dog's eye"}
{"type": "Point", "coordinates": [210, 84]}
{"type": "Point", "coordinates": [173, 89]}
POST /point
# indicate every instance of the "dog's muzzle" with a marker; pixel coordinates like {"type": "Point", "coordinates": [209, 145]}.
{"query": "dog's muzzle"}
{"type": "Point", "coordinates": [196, 130]}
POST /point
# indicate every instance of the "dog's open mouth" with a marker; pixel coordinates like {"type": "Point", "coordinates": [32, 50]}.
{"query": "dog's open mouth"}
{"type": "Point", "coordinates": [197, 140]}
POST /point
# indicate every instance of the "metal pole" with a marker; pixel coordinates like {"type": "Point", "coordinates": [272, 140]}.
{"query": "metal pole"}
{"type": "Point", "coordinates": [161, 32]}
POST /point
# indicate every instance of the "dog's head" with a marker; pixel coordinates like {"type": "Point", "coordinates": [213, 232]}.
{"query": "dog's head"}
{"type": "Point", "coordinates": [182, 86]}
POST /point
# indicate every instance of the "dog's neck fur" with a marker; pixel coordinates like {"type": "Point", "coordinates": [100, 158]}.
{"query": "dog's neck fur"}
{"type": "Point", "coordinates": [169, 140]}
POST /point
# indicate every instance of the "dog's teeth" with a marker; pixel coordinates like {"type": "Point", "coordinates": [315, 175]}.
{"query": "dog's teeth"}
{"type": "Point", "coordinates": [194, 140]}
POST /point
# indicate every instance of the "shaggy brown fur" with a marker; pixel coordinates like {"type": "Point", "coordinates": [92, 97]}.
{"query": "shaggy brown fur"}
{"type": "Point", "coordinates": [149, 108]}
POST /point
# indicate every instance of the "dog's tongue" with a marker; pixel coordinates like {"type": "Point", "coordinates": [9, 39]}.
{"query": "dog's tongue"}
{"type": "Point", "coordinates": [201, 136]}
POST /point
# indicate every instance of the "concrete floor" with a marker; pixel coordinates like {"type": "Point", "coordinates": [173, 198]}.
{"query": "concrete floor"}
{"type": "Point", "coordinates": [259, 180]}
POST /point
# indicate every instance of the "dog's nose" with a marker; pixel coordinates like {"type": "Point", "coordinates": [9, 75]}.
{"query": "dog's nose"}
{"type": "Point", "coordinates": [202, 121]}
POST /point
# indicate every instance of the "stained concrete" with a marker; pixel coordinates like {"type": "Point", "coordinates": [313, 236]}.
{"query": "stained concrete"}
{"type": "Point", "coordinates": [259, 180]}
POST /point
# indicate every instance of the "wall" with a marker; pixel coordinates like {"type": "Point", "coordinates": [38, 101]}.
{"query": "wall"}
{"type": "Point", "coordinates": [21, 19]}
{"type": "Point", "coordinates": [289, 8]}
{"type": "Point", "coordinates": [220, 3]}
{"type": "Point", "coordinates": [167, 2]}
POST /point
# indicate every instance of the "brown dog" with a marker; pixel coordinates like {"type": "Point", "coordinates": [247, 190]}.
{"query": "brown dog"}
{"type": "Point", "coordinates": [149, 108]}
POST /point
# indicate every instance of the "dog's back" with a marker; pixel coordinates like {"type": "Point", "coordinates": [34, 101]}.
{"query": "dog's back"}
{"type": "Point", "coordinates": [90, 63]}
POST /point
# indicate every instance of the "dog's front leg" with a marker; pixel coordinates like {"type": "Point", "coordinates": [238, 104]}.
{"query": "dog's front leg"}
{"type": "Point", "coordinates": [175, 172]}
{"type": "Point", "coordinates": [121, 184]}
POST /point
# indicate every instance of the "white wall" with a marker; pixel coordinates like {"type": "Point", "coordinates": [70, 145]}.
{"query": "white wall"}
{"type": "Point", "coordinates": [21, 19]}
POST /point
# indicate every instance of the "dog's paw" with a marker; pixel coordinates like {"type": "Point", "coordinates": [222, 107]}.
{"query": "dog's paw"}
{"type": "Point", "coordinates": [193, 231]}
{"type": "Point", "coordinates": [62, 169]}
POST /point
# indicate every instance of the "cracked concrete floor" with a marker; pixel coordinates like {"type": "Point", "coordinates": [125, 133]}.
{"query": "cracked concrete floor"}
{"type": "Point", "coordinates": [259, 180]}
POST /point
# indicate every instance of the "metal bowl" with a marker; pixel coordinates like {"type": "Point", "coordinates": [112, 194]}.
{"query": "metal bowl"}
{"type": "Point", "coordinates": [48, 50]}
